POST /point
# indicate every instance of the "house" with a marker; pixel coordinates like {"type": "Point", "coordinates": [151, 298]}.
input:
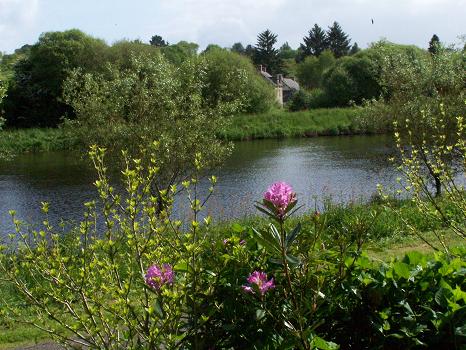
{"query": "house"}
{"type": "Point", "coordinates": [285, 87]}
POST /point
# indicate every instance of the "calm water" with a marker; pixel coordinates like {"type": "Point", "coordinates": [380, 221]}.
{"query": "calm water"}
{"type": "Point", "coordinates": [346, 168]}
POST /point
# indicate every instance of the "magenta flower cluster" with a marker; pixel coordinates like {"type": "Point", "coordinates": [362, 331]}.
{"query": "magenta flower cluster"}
{"type": "Point", "coordinates": [281, 195]}
{"type": "Point", "coordinates": [258, 280]}
{"type": "Point", "coordinates": [157, 276]}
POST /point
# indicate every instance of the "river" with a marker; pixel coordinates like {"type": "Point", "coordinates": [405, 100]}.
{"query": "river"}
{"type": "Point", "coordinates": [345, 168]}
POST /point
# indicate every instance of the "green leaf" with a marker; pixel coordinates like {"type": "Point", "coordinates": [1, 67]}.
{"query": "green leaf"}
{"type": "Point", "coordinates": [158, 309]}
{"type": "Point", "coordinates": [293, 260]}
{"type": "Point", "coordinates": [181, 267]}
{"type": "Point", "coordinates": [461, 331]}
{"type": "Point", "coordinates": [237, 228]}
{"type": "Point", "coordinates": [292, 236]}
{"type": "Point", "coordinates": [323, 344]}
{"type": "Point", "coordinates": [266, 212]}
{"type": "Point", "coordinates": [402, 269]}
{"type": "Point", "coordinates": [275, 234]}
{"type": "Point", "coordinates": [260, 314]}
{"type": "Point", "coordinates": [441, 297]}
{"type": "Point", "coordinates": [266, 240]}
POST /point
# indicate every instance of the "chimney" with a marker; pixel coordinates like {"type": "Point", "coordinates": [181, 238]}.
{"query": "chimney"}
{"type": "Point", "coordinates": [262, 68]}
{"type": "Point", "coordinates": [279, 79]}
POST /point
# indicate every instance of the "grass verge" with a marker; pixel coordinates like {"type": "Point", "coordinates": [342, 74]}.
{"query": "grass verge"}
{"type": "Point", "coordinates": [281, 123]}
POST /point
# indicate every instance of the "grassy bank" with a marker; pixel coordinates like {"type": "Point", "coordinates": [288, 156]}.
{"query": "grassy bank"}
{"type": "Point", "coordinates": [16, 141]}
{"type": "Point", "coordinates": [277, 123]}
{"type": "Point", "coordinates": [281, 123]}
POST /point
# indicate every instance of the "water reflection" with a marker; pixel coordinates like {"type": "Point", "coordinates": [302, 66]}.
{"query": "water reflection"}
{"type": "Point", "coordinates": [345, 168]}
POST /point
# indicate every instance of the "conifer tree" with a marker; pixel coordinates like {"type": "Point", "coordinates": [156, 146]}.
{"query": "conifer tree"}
{"type": "Point", "coordinates": [238, 48]}
{"type": "Point", "coordinates": [315, 42]}
{"type": "Point", "coordinates": [354, 49]}
{"type": "Point", "coordinates": [434, 44]}
{"type": "Point", "coordinates": [266, 54]}
{"type": "Point", "coordinates": [338, 41]}
{"type": "Point", "coordinates": [158, 41]}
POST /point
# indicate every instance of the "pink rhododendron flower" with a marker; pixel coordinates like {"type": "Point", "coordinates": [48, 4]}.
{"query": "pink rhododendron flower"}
{"type": "Point", "coordinates": [157, 276]}
{"type": "Point", "coordinates": [259, 279]}
{"type": "Point", "coordinates": [281, 195]}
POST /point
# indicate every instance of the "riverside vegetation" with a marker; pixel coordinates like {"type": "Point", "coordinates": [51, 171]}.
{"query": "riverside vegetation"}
{"type": "Point", "coordinates": [130, 275]}
{"type": "Point", "coordinates": [147, 280]}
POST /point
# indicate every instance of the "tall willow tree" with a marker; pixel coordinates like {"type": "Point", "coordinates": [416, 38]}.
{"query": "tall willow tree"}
{"type": "Point", "coordinates": [152, 100]}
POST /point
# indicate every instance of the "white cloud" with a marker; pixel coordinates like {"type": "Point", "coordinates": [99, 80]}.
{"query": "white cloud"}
{"type": "Point", "coordinates": [218, 21]}
{"type": "Point", "coordinates": [16, 19]}
{"type": "Point", "coordinates": [227, 21]}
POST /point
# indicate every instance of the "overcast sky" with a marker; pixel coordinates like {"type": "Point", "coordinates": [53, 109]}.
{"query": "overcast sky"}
{"type": "Point", "coordinates": [224, 22]}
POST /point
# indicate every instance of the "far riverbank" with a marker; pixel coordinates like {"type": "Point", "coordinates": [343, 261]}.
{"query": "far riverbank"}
{"type": "Point", "coordinates": [275, 124]}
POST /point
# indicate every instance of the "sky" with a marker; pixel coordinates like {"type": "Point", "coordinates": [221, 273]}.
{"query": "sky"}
{"type": "Point", "coordinates": [225, 22]}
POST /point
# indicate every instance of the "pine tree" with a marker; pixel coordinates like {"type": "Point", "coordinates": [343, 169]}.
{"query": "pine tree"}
{"type": "Point", "coordinates": [265, 53]}
{"type": "Point", "coordinates": [315, 43]}
{"type": "Point", "coordinates": [338, 40]}
{"type": "Point", "coordinates": [354, 49]}
{"type": "Point", "coordinates": [157, 41]}
{"type": "Point", "coordinates": [434, 44]}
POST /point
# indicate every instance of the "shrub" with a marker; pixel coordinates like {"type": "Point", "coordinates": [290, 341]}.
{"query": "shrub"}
{"type": "Point", "coordinates": [230, 76]}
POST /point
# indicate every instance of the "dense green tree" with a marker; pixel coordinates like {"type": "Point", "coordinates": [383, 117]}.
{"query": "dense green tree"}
{"type": "Point", "coordinates": [315, 42]}
{"type": "Point", "coordinates": [434, 44]}
{"type": "Point", "coordinates": [231, 77]}
{"type": "Point", "coordinates": [212, 47]}
{"type": "Point", "coordinates": [238, 48]}
{"type": "Point", "coordinates": [121, 52]}
{"type": "Point", "coordinates": [154, 100]}
{"type": "Point", "coordinates": [8, 61]}
{"type": "Point", "coordinates": [286, 52]}
{"type": "Point", "coordinates": [180, 52]}
{"type": "Point", "coordinates": [158, 41]}
{"type": "Point", "coordinates": [310, 72]}
{"type": "Point", "coordinates": [34, 93]}
{"type": "Point", "coordinates": [250, 51]}
{"type": "Point", "coordinates": [354, 49]}
{"type": "Point", "coordinates": [338, 41]}
{"type": "Point", "coordinates": [352, 79]}
{"type": "Point", "coordinates": [266, 54]}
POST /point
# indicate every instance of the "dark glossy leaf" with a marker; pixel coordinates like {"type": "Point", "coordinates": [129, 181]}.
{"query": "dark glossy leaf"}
{"type": "Point", "coordinates": [266, 240]}
{"type": "Point", "coordinates": [294, 211]}
{"type": "Point", "coordinates": [266, 212]}
{"type": "Point", "coordinates": [322, 344]}
{"type": "Point", "coordinates": [292, 260]}
{"type": "Point", "coordinates": [275, 234]}
{"type": "Point", "coordinates": [291, 206]}
{"type": "Point", "coordinates": [461, 331]}
{"type": "Point", "coordinates": [292, 236]}
{"type": "Point", "coordinates": [158, 309]}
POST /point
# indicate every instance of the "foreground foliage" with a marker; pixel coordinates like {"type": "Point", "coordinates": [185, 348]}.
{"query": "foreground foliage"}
{"type": "Point", "coordinates": [132, 276]}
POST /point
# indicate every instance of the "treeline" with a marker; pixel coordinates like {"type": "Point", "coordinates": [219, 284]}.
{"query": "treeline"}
{"type": "Point", "coordinates": [36, 74]}
{"type": "Point", "coordinates": [332, 72]}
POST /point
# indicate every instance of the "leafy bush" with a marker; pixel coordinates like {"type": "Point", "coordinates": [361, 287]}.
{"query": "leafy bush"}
{"type": "Point", "coordinates": [230, 76]}
{"type": "Point", "coordinates": [415, 302]}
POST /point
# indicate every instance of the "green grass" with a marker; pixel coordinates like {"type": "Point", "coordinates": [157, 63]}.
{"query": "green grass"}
{"type": "Point", "coordinates": [281, 123]}
{"type": "Point", "coordinates": [15, 141]}
{"type": "Point", "coordinates": [278, 123]}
